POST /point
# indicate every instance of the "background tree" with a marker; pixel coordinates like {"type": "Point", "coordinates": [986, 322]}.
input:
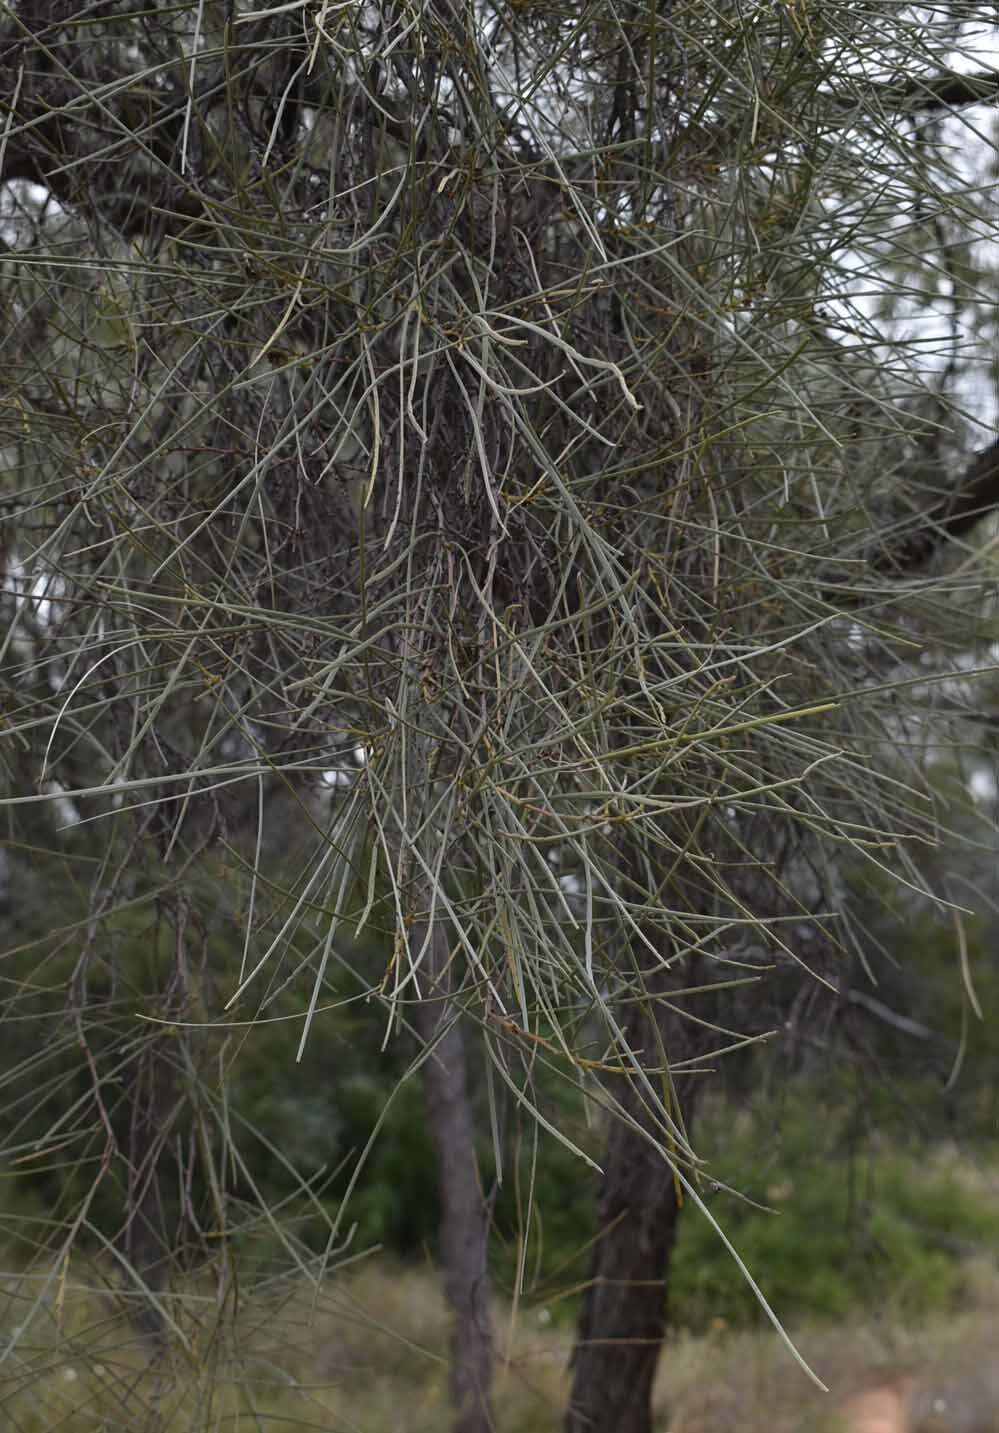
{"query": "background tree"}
{"type": "Point", "coordinates": [484, 391]}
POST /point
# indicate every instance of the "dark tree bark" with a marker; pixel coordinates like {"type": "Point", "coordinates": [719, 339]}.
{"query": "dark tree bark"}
{"type": "Point", "coordinates": [623, 1320]}
{"type": "Point", "coordinates": [464, 1225]}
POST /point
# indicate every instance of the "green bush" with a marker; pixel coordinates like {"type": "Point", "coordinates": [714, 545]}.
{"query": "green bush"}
{"type": "Point", "coordinates": [848, 1229]}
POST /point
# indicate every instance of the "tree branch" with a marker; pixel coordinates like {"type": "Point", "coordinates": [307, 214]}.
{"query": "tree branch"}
{"type": "Point", "coordinates": [911, 544]}
{"type": "Point", "coordinates": [947, 90]}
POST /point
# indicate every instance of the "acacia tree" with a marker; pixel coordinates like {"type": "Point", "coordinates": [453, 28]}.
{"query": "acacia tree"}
{"type": "Point", "coordinates": [484, 390]}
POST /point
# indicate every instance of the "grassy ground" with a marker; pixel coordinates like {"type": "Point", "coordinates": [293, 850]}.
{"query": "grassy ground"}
{"type": "Point", "coordinates": [367, 1354]}
{"type": "Point", "coordinates": [746, 1382]}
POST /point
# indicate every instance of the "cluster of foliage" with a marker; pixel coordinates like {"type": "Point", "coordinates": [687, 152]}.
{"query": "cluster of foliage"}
{"type": "Point", "coordinates": [450, 445]}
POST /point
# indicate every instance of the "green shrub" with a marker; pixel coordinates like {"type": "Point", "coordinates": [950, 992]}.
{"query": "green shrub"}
{"type": "Point", "coordinates": [848, 1229]}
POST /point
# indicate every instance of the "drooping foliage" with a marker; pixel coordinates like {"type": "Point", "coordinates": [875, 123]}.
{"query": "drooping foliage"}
{"type": "Point", "coordinates": [476, 430]}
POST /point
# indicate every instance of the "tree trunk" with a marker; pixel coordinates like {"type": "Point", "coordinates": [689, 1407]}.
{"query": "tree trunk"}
{"type": "Point", "coordinates": [464, 1227]}
{"type": "Point", "coordinates": [623, 1319]}
{"type": "Point", "coordinates": [151, 1233]}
